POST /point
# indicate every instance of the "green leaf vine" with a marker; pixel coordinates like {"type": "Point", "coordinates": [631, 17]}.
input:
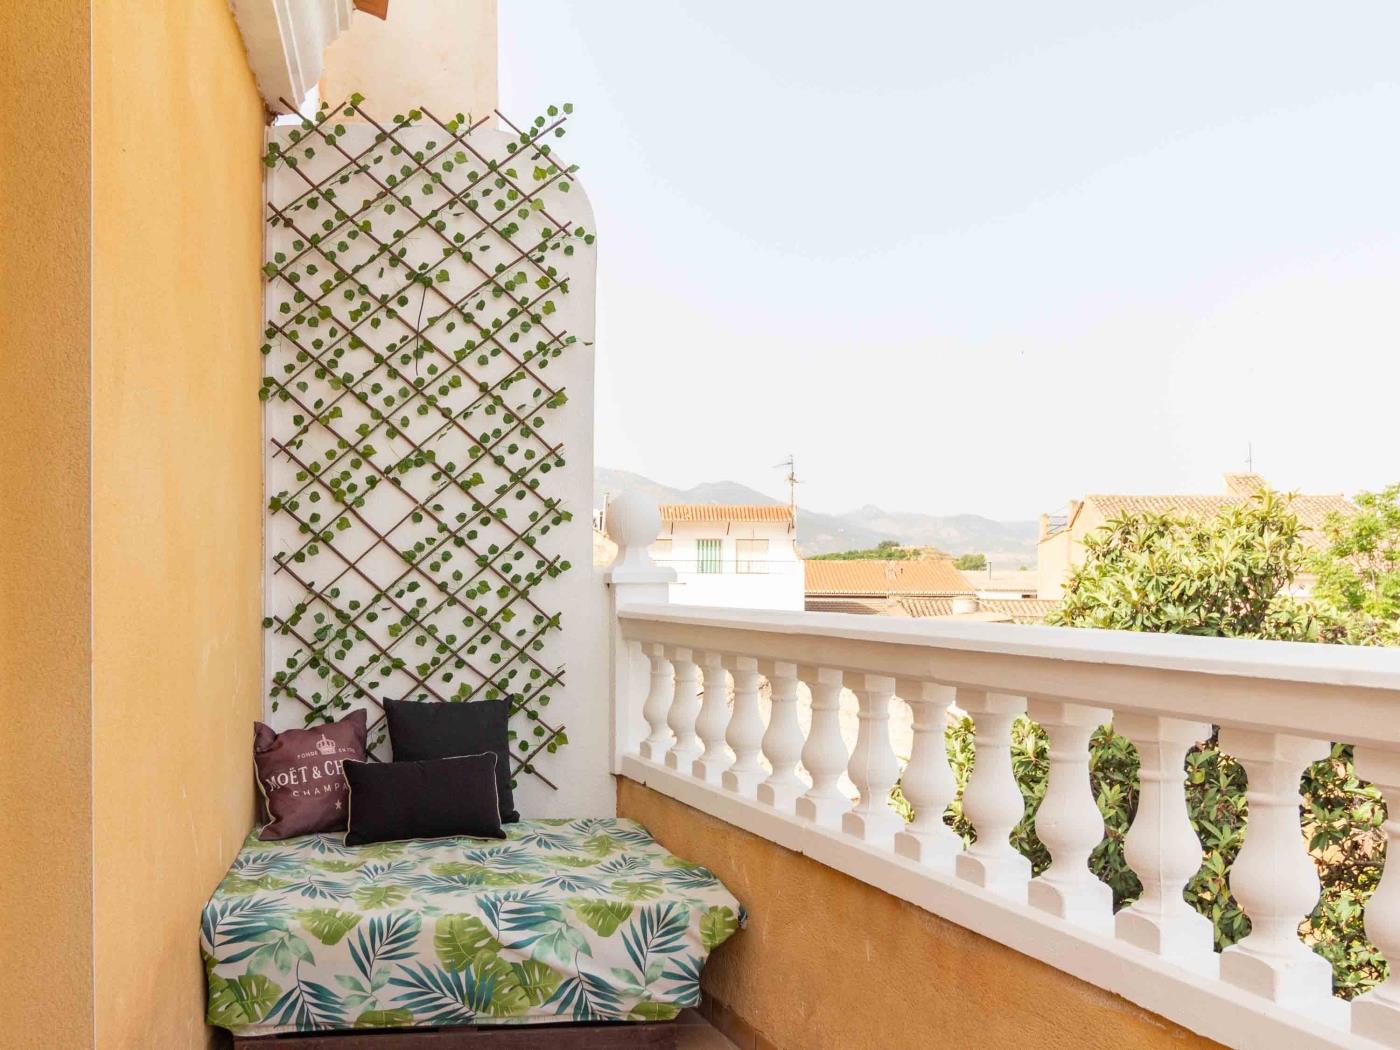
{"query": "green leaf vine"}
{"type": "Point", "coordinates": [417, 272]}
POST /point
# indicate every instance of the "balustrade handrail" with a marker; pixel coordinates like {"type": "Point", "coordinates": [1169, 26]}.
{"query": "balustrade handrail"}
{"type": "Point", "coordinates": [688, 722]}
{"type": "Point", "coordinates": [1248, 683]}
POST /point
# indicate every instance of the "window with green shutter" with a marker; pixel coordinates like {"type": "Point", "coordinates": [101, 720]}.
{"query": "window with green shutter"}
{"type": "Point", "coordinates": [707, 555]}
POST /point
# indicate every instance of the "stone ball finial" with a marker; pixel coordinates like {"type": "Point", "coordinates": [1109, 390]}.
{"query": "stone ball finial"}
{"type": "Point", "coordinates": [633, 521]}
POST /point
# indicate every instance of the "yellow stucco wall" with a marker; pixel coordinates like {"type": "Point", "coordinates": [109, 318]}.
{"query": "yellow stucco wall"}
{"type": "Point", "coordinates": [829, 963]}
{"type": "Point", "coordinates": [1062, 553]}
{"type": "Point", "coordinates": [45, 789]}
{"type": "Point", "coordinates": [177, 139]}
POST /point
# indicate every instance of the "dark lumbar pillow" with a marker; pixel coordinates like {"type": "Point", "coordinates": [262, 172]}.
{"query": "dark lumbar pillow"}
{"type": "Point", "coordinates": [301, 778]}
{"type": "Point", "coordinates": [423, 730]}
{"type": "Point", "coordinates": [432, 799]}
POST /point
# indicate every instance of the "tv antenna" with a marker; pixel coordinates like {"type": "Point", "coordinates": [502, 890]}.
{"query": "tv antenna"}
{"type": "Point", "coordinates": [1249, 457]}
{"type": "Point", "coordinates": [792, 482]}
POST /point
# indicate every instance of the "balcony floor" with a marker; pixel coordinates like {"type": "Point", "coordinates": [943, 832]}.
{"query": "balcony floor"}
{"type": "Point", "coordinates": [698, 1034]}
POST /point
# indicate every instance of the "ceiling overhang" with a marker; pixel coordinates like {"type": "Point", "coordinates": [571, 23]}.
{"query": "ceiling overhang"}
{"type": "Point", "coordinates": [286, 41]}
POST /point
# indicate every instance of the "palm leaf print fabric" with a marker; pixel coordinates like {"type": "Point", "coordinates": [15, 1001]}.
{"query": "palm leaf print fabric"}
{"type": "Point", "coordinates": [567, 920]}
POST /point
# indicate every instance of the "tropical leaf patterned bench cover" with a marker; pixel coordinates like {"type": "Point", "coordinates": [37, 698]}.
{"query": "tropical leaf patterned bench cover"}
{"type": "Point", "coordinates": [567, 920]}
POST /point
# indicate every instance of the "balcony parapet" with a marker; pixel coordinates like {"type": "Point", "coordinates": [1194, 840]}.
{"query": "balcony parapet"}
{"type": "Point", "coordinates": [1278, 705]}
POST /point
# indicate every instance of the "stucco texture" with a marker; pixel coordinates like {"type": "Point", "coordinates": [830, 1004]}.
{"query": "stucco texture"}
{"type": "Point", "coordinates": [829, 963]}
{"type": "Point", "coordinates": [176, 497]}
{"type": "Point", "coordinates": [45, 573]}
{"type": "Point", "coordinates": [435, 53]}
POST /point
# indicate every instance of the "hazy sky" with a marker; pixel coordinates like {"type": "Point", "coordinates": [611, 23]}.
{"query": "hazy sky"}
{"type": "Point", "coordinates": [985, 257]}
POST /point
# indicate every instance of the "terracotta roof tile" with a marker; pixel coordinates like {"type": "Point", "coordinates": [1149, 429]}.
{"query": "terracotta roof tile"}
{"type": "Point", "coordinates": [1021, 610]}
{"type": "Point", "coordinates": [922, 607]}
{"type": "Point", "coordinates": [927, 576]}
{"type": "Point", "coordinates": [719, 513]}
{"type": "Point", "coordinates": [1312, 511]}
{"type": "Point", "coordinates": [1022, 580]}
{"type": "Point", "coordinates": [1245, 484]}
{"type": "Point", "coordinates": [869, 607]}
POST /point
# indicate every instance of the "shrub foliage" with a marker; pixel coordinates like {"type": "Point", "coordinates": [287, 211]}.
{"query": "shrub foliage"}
{"type": "Point", "coordinates": [1232, 576]}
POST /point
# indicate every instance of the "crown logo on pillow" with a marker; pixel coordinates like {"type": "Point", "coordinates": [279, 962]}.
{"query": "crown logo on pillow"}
{"type": "Point", "coordinates": [325, 745]}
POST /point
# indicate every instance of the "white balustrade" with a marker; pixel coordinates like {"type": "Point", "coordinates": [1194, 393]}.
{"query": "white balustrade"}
{"type": "Point", "coordinates": [824, 753]}
{"type": "Point", "coordinates": [633, 523]}
{"type": "Point", "coordinates": [712, 721]}
{"type": "Point", "coordinates": [991, 801]}
{"type": "Point", "coordinates": [1377, 1013]}
{"type": "Point", "coordinates": [782, 743]}
{"type": "Point", "coordinates": [745, 733]}
{"type": "Point", "coordinates": [1068, 821]}
{"type": "Point", "coordinates": [1277, 703]}
{"type": "Point", "coordinates": [658, 704]}
{"type": "Point", "coordinates": [685, 706]}
{"type": "Point", "coordinates": [1273, 878]}
{"type": "Point", "coordinates": [873, 767]}
{"type": "Point", "coordinates": [1161, 846]}
{"type": "Point", "coordinates": [928, 783]}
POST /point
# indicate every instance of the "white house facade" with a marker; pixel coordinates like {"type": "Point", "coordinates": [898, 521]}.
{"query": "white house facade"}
{"type": "Point", "coordinates": [737, 555]}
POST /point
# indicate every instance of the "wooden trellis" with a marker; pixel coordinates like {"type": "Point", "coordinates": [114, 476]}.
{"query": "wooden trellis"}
{"type": "Point", "coordinates": [417, 274]}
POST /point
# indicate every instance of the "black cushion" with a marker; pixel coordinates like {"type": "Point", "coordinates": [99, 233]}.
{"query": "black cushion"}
{"type": "Point", "coordinates": [423, 800]}
{"type": "Point", "coordinates": [420, 730]}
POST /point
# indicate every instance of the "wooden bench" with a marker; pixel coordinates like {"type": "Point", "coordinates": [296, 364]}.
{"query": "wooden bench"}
{"type": "Point", "coordinates": [603, 1036]}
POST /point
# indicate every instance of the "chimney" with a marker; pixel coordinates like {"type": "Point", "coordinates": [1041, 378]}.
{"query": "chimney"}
{"type": "Point", "coordinates": [1244, 484]}
{"type": "Point", "coordinates": [965, 603]}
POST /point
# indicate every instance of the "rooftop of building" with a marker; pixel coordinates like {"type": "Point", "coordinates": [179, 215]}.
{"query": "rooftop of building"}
{"type": "Point", "coordinates": [923, 576]}
{"type": "Point", "coordinates": [721, 513]}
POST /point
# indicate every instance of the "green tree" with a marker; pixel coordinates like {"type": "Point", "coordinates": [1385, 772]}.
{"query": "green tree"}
{"type": "Point", "coordinates": [1358, 572]}
{"type": "Point", "coordinates": [889, 550]}
{"type": "Point", "coordinates": [970, 561]}
{"type": "Point", "coordinates": [1228, 576]}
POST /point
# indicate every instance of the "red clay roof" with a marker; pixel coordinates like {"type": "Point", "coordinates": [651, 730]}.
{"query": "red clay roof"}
{"type": "Point", "coordinates": [859, 606]}
{"type": "Point", "coordinates": [1312, 511]}
{"type": "Point", "coordinates": [1021, 610]}
{"type": "Point", "coordinates": [927, 576]}
{"type": "Point", "coordinates": [719, 513]}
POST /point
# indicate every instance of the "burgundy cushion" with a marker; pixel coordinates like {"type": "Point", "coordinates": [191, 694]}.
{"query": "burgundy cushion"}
{"type": "Point", "coordinates": [301, 775]}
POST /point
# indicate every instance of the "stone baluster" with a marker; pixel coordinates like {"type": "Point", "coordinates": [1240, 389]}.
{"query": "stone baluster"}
{"type": "Point", "coordinates": [714, 717]}
{"type": "Point", "coordinates": [824, 754]}
{"type": "Point", "coordinates": [1161, 846]}
{"type": "Point", "coordinates": [685, 706]}
{"type": "Point", "coordinates": [633, 522]}
{"type": "Point", "coordinates": [782, 743]}
{"type": "Point", "coordinates": [1068, 821]}
{"type": "Point", "coordinates": [1377, 1013]}
{"type": "Point", "coordinates": [1273, 877]}
{"type": "Point", "coordinates": [873, 767]}
{"type": "Point", "coordinates": [745, 733]}
{"type": "Point", "coordinates": [992, 801]}
{"type": "Point", "coordinates": [928, 782]}
{"type": "Point", "coordinates": [658, 704]}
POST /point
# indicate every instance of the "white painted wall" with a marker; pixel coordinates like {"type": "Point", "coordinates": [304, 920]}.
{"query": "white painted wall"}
{"type": "Point", "coordinates": [438, 54]}
{"type": "Point", "coordinates": [580, 768]}
{"type": "Point", "coordinates": [779, 586]}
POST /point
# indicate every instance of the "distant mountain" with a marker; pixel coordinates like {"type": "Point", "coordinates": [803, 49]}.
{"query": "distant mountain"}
{"type": "Point", "coordinates": [1004, 542]}
{"type": "Point", "coordinates": [607, 480]}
